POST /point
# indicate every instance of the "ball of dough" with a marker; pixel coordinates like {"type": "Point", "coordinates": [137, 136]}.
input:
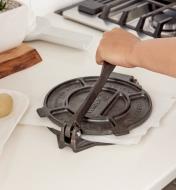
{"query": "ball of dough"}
{"type": "Point", "coordinates": [6, 105]}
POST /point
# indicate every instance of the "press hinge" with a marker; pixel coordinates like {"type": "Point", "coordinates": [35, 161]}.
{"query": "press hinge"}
{"type": "Point", "coordinates": [70, 136]}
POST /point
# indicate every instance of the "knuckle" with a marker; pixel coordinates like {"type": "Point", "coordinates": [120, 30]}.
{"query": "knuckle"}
{"type": "Point", "coordinates": [106, 34]}
{"type": "Point", "coordinates": [114, 29]}
{"type": "Point", "coordinates": [118, 30]}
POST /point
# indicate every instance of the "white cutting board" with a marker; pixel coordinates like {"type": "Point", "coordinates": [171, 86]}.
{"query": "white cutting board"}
{"type": "Point", "coordinates": [8, 123]}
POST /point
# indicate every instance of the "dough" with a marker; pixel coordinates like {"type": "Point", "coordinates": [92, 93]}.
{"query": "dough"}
{"type": "Point", "coordinates": [6, 105]}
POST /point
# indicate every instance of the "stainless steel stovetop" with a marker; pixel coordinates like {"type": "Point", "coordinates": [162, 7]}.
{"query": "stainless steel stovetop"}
{"type": "Point", "coordinates": [145, 18]}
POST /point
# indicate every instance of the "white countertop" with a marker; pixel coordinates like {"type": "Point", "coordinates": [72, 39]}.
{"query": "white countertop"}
{"type": "Point", "coordinates": [31, 159]}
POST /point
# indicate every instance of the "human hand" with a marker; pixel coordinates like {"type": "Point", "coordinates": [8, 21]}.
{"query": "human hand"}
{"type": "Point", "coordinates": [117, 47]}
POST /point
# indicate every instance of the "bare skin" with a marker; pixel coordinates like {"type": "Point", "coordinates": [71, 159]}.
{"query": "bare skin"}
{"type": "Point", "coordinates": [122, 48]}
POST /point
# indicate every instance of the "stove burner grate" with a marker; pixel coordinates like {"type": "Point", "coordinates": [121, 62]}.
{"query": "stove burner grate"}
{"type": "Point", "coordinates": [121, 106]}
{"type": "Point", "coordinates": [135, 15]}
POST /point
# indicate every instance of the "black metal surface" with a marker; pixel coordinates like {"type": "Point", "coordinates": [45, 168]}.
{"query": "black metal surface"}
{"type": "Point", "coordinates": [169, 26]}
{"type": "Point", "coordinates": [142, 11]}
{"type": "Point", "coordinates": [121, 106]}
{"type": "Point", "coordinates": [145, 12]}
{"type": "Point", "coordinates": [91, 7]}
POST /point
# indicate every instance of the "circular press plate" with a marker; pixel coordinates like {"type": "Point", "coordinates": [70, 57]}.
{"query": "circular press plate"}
{"type": "Point", "coordinates": [121, 105]}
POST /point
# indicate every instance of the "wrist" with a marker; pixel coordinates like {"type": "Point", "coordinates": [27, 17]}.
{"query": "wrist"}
{"type": "Point", "coordinates": [134, 58]}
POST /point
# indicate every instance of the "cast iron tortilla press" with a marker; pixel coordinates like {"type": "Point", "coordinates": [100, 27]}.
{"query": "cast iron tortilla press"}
{"type": "Point", "coordinates": [112, 103]}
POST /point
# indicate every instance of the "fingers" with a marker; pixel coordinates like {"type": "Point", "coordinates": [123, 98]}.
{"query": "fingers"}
{"type": "Point", "coordinates": [100, 49]}
{"type": "Point", "coordinates": [115, 47]}
{"type": "Point", "coordinates": [105, 44]}
{"type": "Point", "coordinates": [99, 59]}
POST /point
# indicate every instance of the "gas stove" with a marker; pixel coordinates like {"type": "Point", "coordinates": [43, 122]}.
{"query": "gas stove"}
{"type": "Point", "coordinates": [146, 18]}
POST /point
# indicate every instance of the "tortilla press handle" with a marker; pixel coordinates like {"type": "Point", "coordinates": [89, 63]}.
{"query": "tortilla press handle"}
{"type": "Point", "coordinates": [107, 69]}
{"type": "Point", "coordinates": [71, 135]}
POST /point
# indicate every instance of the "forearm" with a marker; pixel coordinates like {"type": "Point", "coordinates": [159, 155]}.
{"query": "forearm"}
{"type": "Point", "coordinates": [158, 55]}
{"type": "Point", "coordinates": [122, 48]}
